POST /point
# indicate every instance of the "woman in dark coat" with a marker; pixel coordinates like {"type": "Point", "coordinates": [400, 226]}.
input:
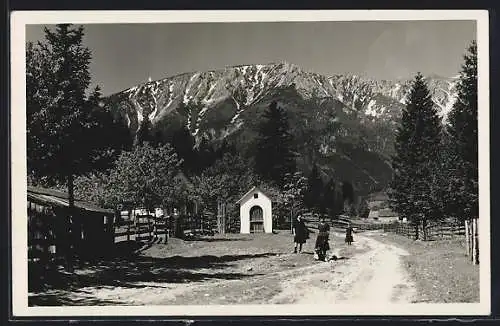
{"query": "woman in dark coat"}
{"type": "Point", "coordinates": [348, 234]}
{"type": "Point", "coordinates": [322, 245]}
{"type": "Point", "coordinates": [301, 233]}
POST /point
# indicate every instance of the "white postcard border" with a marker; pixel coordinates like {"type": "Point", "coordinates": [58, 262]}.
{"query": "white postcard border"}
{"type": "Point", "coordinates": [20, 19]}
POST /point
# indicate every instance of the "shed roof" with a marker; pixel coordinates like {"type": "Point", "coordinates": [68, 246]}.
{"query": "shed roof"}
{"type": "Point", "coordinates": [51, 197]}
{"type": "Point", "coordinates": [249, 192]}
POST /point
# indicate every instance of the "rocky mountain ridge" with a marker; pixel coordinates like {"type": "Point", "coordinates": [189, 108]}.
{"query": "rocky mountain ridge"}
{"type": "Point", "coordinates": [345, 123]}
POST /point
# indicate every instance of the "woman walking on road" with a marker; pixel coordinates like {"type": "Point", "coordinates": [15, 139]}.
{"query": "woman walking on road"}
{"type": "Point", "coordinates": [348, 234]}
{"type": "Point", "coordinates": [301, 233]}
{"type": "Point", "coordinates": [322, 245]}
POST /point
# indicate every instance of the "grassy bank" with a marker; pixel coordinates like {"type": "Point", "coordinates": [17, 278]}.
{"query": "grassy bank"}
{"type": "Point", "coordinates": [440, 269]}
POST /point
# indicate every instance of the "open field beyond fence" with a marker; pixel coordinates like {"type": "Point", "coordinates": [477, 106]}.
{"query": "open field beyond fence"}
{"type": "Point", "coordinates": [440, 269]}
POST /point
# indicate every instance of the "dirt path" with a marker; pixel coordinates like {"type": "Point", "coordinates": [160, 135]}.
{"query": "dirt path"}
{"type": "Point", "coordinates": [371, 272]}
{"type": "Point", "coordinates": [375, 276]}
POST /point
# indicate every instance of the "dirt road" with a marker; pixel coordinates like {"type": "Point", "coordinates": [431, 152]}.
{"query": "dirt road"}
{"type": "Point", "coordinates": [371, 272]}
{"type": "Point", "coordinates": [375, 276]}
{"type": "Point", "coordinates": [246, 270]}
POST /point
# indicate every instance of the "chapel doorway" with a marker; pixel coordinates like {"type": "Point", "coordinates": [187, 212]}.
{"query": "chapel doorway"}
{"type": "Point", "coordinates": [256, 220]}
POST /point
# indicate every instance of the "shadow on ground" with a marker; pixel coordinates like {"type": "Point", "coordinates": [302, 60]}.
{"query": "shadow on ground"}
{"type": "Point", "coordinates": [335, 258]}
{"type": "Point", "coordinates": [62, 298]}
{"type": "Point", "coordinates": [217, 239]}
{"type": "Point", "coordinates": [125, 268]}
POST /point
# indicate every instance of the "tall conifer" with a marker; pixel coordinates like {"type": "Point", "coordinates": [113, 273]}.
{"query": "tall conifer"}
{"type": "Point", "coordinates": [57, 78]}
{"type": "Point", "coordinates": [463, 134]}
{"type": "Point", "coordinates": [413, 189]}
{"type": "Point", "coordinates": [313, 198]}
{"type": "Point", "coordinates": [275, 156]}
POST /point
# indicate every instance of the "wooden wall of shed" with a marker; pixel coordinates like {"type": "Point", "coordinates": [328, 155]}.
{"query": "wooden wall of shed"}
{"type": "Point", "coordinates": [42, 241]}
{"type": "Point", "coordinates": [92, 237]}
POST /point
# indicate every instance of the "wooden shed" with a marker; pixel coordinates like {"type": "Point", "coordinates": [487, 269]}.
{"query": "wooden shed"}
{"type": "Point", "coordinates": [92, 227]}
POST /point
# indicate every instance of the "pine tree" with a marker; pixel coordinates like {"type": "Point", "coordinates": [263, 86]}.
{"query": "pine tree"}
{"type": "Point", "coordinates": [453, 200]}
{"type": "Point", "coordinates": [105, 136]}
{"type": "Point", "coordinates": [313, 197]}
{"type": "Point", "coordinates": [347, 193]}
{"type": "Point", "coordinates": [206, 154]}
{"type": "Point", "coordinates": [463, 134]}
{"type": "Point", "coordinates": [183, 144]}
{"type": "Point", "coordinates": [275, 156]}
{"type": "Point", "coordinates": [57, 75]}
{"type": "Point", "coordinates": [330, 205]}
{"type": "Point", "coordinates": [415, 166]}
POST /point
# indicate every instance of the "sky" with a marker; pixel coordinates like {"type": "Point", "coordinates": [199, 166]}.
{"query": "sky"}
{"type": "Point", "coordinates": [125, 55]}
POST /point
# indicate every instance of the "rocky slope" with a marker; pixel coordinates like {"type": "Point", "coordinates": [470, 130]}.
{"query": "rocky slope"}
{"type": "Point", "coordinates": [344, 122]}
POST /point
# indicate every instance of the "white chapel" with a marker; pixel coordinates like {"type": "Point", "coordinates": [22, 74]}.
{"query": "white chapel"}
{"type": "Point", "coordinates": [256, 214]}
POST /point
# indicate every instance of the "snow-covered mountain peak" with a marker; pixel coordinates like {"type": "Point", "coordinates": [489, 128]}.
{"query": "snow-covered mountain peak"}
{"type": "Point", "coordinates": [350, 118]}
{"type": "Point", "coordinates": [246, 85]}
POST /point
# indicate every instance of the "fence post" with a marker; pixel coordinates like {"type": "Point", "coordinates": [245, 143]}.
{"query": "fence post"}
{"type": "Point", "coordinates": [128, 223]}
{"type": "Point", "coordinates": [467, 238]}
{"type": "Point", "coordinates": [155, 228]}
{"type": "Point", "coordinates": [473, 242]}
{"type": "Point", "coordinates": [476, 242]}
{"type": "Point", "coordinates": [136, 226]}
{"type": "Point", "coordinates": [149, 227]}
{"type": "Point", "coordinates": [128, 230]}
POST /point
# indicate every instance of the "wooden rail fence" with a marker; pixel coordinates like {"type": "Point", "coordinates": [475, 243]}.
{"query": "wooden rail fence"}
{"type": "Point", "coordinates": [148, 228]}
{"type": "Point", "coordinates": [433, 232]}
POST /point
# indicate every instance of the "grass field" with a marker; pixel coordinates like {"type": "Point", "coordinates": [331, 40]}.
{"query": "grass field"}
{"type": "Point", "coordinates": [440, 269]}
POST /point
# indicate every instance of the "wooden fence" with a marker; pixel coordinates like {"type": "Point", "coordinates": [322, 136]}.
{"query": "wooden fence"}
{"type": "Point", "coordinates": [433, 231]}
{"type": "Point", "coordinates": [472, 240]}
{"type": "Point", "coordinates": [205, 224]}
{"type": "Point", "coordinates": [149, 228]}
{"type": "Point", "coordinates": [469, 231]}
{"type": "Point", "coordinates": [143, 228]}
{"type": "Point", "coordinates": [342, 223]}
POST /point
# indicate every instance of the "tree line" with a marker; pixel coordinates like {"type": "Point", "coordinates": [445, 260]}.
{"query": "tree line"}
{"type": "Point", "coordinates": [436, 165]}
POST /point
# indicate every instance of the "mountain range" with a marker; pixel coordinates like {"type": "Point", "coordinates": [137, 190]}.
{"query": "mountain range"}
{"type": "Point", "coordinates": [343, 123]}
